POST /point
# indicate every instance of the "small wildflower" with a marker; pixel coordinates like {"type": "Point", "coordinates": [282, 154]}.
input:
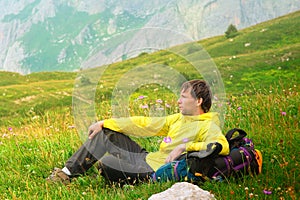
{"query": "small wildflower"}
{"type": "Point", "coordinates": [247, 44]}
{"type": "Point", "coordinates": [267, 192]}
{"type": "Point", "coordinates": [35, 117]}
{"type": "Point", "coordinates": [251, 195]}
{"type": "Point", "coordinates": [10, 128]}
{"type": "Point", "coordinates": [167, 105]}
{"type": "Point", "coordinates": [141, 97]}
{"type": "Point", "coordinates": [246, 188]}
{"type": "Point", "coordinates": [159, 101]}
{"type": "Point", "coordinates": [167, 139]}
{"type": "Point", "coordinates": [239, 108]}
{"type": "Point", "coordinates": [283, 113]}
{"type": "Point", "coordinates": [144, 106]}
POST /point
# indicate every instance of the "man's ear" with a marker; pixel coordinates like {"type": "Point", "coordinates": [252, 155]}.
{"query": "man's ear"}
{"type": "Point", "coordinates": [199, 101]}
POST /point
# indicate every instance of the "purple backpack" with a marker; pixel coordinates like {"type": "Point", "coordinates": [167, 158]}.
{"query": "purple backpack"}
{"type": "Point", "coordinates": [243, 158]}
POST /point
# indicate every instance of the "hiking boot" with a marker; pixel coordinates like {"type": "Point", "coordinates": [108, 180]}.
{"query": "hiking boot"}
{"type": "Point", "coordinates": [58, 175]}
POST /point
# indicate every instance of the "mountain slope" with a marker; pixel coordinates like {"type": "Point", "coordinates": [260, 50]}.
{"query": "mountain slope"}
{"type": "Point", "coordinates": [47, 35]}
{"type": "Point", "coordinates": [272, 59]}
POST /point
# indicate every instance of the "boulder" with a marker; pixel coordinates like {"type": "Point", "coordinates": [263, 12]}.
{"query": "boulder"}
{"type": "Point", "coordinates": [183, 191]}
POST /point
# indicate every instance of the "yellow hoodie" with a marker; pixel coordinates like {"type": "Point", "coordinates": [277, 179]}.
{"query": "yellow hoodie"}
{"type": "Point", "coordinates": [195, 131]}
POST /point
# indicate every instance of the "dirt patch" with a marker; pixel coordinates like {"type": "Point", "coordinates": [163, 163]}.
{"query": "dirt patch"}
{"type": "Point", "coordinates": [25, 99]}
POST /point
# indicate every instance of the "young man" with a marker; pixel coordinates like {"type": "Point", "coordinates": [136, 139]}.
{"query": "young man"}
{"type": "Point", "coordinates": [122, 159]}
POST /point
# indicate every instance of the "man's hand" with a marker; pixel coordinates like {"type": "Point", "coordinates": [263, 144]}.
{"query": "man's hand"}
{"type": "Point", "coordinates": [177, 151]}
{"type": "Point", "coordinates": [95, 128]}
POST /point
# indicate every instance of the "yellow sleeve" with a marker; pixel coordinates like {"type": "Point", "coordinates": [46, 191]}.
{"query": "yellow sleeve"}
{"type": "Point", "coordinates": [209, 134]}
{"type": "Point", "coordinates": [138, 125]}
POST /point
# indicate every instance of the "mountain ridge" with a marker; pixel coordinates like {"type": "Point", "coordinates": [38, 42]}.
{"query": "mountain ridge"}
{"type": "Point", "coordinates": [40, 35]}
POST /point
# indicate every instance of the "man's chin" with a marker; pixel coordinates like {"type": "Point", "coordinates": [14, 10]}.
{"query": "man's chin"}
{"type": "Point", "coordinates": [184, 113]}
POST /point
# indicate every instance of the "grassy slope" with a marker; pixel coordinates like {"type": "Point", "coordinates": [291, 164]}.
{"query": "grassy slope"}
{"type": "Point", "coordinates": [272, 58]}
{"type": "Point", "coordinates": [263, 79]}
{"type": "Point", "coordinates": [36, 92]}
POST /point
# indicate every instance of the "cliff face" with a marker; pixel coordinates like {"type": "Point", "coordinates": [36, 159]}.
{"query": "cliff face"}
{"type": "Point", "coordinates": [47, 35]}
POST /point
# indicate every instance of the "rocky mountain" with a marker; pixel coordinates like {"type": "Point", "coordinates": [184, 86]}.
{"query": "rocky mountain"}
{"type": "Point", "coordinates": [66, 35]}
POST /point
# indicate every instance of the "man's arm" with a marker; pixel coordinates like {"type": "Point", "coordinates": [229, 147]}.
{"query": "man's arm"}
{"type": "Point", "coordinates": [198, 146]}
{"type": "Point", "coordinates": [137, 125]}
{"type": "Point", "coordinates": [209, 134]}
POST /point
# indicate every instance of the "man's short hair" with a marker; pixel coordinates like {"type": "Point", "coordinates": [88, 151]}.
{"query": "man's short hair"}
{"type": "Point", "coordinates": [199, 89]}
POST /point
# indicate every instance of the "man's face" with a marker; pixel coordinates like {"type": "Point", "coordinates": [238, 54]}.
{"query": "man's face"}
{"type": "Point", "coordinates": [188, 105]}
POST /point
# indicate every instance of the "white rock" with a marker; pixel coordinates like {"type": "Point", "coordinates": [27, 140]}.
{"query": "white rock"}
{"type": "Point", "coordinates": [183, 191]}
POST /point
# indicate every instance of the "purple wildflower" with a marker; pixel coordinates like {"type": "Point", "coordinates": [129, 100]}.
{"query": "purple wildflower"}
{"type": "Point", "coordinates": [159, 101]}
{"type": "Point", "coordinates": [283, 113]}
{"type": "Point", "coordinates": [239, 108]}
{"type": "Point", "coordinates": [168, 105]}
{"type": "Point", "coordinates": [167, 139]}
{"type": "Point", "coordinates": [10, 128]}
{"type": "Point", "coordinates": [141, 97]}
{"type": "Point", "coordinates": [267, 192]}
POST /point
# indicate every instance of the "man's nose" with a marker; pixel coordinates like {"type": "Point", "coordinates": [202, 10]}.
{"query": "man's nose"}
{"type": "Point", "coordinates": [179, 101]}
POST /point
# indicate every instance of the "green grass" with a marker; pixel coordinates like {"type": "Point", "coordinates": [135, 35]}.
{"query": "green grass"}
{"type": "Point", "coordinates": [262, 83]}
{"type": "Point", "coordinates": [30, 151]}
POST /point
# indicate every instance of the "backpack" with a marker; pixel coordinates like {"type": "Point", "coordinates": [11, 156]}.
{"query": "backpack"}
{"type": "Point", "coordinates": [243, 158]}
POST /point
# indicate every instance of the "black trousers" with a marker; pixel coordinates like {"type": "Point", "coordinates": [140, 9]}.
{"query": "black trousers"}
{"type": "Point", "coordinates": [120, 158]}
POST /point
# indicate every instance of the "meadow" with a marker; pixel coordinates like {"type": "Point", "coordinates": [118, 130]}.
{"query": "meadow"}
{"type": "Point", "coordinates": [38, 132]}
